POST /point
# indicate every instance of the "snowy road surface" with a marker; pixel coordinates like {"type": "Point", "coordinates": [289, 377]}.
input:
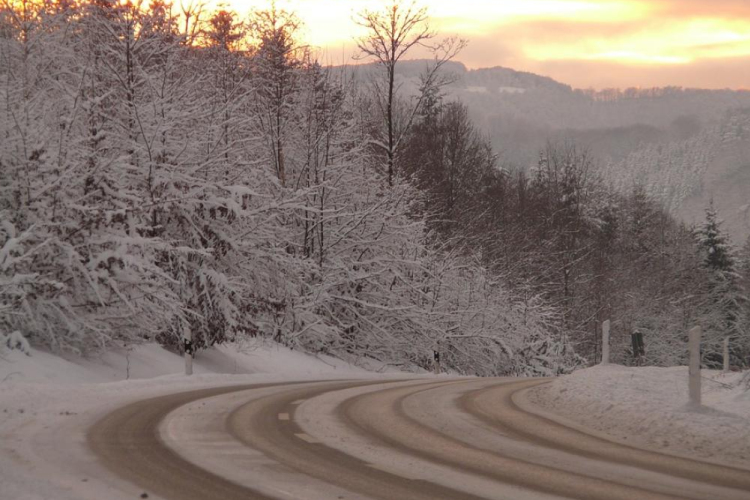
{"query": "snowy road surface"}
{"type": "Point", "coordinates": [419, 439]}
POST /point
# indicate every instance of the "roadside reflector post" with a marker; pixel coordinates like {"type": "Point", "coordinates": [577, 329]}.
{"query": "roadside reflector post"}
{"type": "Point", "coordinates": [726, 355]}
{"type": "Point", "coordinates": [605, 342]}
{"type": "Point", "coordinates": [188, 346]}
{"type": "Point", "coordinates": [639, 348]}
{"type": "Point", "coordinates": [694, 369]}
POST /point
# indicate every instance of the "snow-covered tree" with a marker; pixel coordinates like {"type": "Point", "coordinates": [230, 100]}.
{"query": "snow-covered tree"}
{"type": "Point", "coordinates": [177, 178]}
{"type": "Point", "coordinates": [276, 65]}
{"type": "Point", "coordinates": [722, 311]}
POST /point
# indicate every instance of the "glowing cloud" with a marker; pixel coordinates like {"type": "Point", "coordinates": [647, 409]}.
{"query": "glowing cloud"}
{"type": "Point", "coordinates": [531, 34]}
{"type": "Point", "coordinates": [676, 43]}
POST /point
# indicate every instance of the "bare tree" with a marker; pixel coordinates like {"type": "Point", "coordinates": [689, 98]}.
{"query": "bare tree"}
{"type": "Point", "coordinates": [391, 33]}
{"type": "Point", "coordinates": [191, 14]}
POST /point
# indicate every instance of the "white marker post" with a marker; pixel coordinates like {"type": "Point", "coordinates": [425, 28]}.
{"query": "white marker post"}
{"type": "Point", "coordinates": [188, 346]}
{"type": "Point", "coordinates": [726, 354]}
{"type": "Point", "coordinates": [605, 342]}
{"type": "Point", "coordinates": [694, 370]}
{"type": "Point", "coordinates": [188, 364]}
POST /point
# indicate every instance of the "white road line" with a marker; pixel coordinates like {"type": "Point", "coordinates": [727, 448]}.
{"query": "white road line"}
{"type": "Point", "coordinates": [283, 416]}
{"type": "Point", "coordinates": [307, 437]}
{"type": "Point", "coordinates": [297, 402]}
{"type": "Point", "coordinates": [388, 470]}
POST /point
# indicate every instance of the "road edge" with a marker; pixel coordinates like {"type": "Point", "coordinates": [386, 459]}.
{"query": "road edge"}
{"type": "Point", "coordinates": [522, 400]}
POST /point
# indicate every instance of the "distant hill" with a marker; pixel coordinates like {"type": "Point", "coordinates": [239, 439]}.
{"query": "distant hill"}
{"type": "Point", "coordinates": [685, 145]}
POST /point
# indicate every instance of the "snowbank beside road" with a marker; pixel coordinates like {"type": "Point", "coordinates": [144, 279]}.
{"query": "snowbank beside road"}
{"type": "Point", "coordinates": [47, 403]}
{"type": "Point", "coordinates": [150, 360]}
{"type": "Point", "coordinates": [648, 407]}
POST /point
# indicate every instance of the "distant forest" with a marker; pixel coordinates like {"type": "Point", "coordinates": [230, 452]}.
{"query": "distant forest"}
{"type": "Point", "coordinates": [169, 174]}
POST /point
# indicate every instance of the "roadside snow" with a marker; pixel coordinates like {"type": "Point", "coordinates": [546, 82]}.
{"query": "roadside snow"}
{"type": "Point", "coordinates": [47, 403]}
{"type": "Point", "coordinates": [648, 407]}
{"type": "Point", "coordinates": [150, 360]}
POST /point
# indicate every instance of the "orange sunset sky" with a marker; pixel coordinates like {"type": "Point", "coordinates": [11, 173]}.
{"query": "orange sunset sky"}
{"type": "Point", "coordinates": [585, 43]}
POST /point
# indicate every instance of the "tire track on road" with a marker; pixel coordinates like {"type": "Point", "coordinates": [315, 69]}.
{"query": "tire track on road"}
{"type": "Point", "coordinates": [497, 408]}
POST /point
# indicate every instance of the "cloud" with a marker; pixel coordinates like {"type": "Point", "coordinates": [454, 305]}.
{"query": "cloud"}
{"type": "Point", "coordinates": [702, 8]}
{"type": "Point", "coordinates": [599, 43]}
{"type": "Point", "coordinates": [681, 42]}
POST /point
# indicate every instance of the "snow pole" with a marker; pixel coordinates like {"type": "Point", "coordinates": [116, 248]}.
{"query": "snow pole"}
{"type": "Point", "coordinates": [188, 347]}
{"type": "Point", "coordinates": [694, 370]}
{"type": "Point", "coordinates": [726, 354]}
{"type": "Point", "coordinates": [188, 364]}
{"type": "Point", "coordinates": [605, 342]}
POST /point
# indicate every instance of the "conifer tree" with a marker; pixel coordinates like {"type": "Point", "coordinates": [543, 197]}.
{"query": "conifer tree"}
{"type": "Point", "coordinates": [722, 314]}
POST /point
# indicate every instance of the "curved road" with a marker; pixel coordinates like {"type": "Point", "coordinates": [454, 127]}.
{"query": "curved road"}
{"type": "Point", "coordinates": [450, 439]}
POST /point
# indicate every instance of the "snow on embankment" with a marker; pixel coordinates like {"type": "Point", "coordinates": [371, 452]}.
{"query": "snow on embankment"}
{"type": "Point", "coordinates": [150, 360]}
{"type": "Point", "coordinates": [648, 407]}
{"type": "Point", "coordinates": [47, 402]}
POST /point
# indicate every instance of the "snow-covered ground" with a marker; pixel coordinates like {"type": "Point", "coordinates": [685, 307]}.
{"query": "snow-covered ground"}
{"type": "Point", "coordinates": [150, 360]}
{"type": "Point", "coordinates": [47, 402]}
{"type": "Point", "coordinates": [648, 407]}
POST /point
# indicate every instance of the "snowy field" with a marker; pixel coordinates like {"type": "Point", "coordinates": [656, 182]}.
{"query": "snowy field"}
{"type": "Point", "coordinates": [648, 407]}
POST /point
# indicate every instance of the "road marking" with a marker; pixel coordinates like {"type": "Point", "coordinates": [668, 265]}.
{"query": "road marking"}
{"type": "Point", "coordinates": [387, 470]}
{"type": "Point", "coordinates": [283, 416]}
{"type": "Point", "coordinates": [297, 402]}
{"type": "Point", "coordinates": [307, 437]}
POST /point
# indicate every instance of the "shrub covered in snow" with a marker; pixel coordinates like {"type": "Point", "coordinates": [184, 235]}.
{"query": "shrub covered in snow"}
{"type": "Point", "coordinates": [147, 194]}
{"type": "Point", "coordinates": [15, 341]}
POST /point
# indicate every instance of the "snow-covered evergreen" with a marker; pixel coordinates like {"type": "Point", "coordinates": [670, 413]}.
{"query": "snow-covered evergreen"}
{"type": "Point", "coordinates": [725, 301]}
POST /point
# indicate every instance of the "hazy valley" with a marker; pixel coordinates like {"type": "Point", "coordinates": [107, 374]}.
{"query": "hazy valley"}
{"type": "Point", "coordinates": [685, 146]}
